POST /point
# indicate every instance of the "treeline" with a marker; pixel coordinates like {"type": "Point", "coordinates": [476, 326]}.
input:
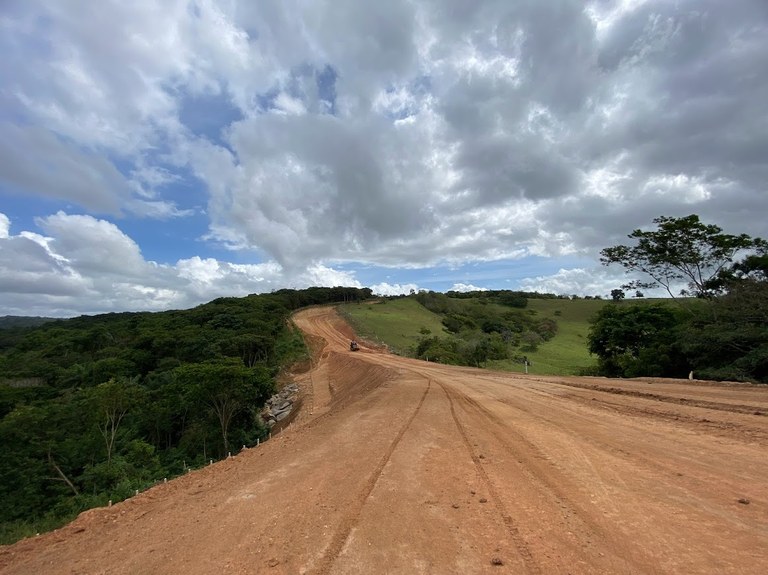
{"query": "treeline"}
{"type": "Point", "coordinates": [484, 325]}
{"type": "Point", "coordinates": [93, 408]}
{"type": "Point", "coordinates": [724, 338]}
{"type": "Point", "coordinates": [11, 321]}
{"type": "Point", "coordinates": [720, 331]}
{"type": "Point", "coordinates": [505, 297]}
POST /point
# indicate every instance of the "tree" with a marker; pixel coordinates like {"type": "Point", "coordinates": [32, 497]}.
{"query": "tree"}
{"type": "Point", "coordinates": [617, 294]}
{"type": "Point", "coordinates": [475, 351]}
{"type": "Point", "coordinates": [250, 347]}
{"type": "Point", "coordinates": [637, 340]}
{"type": "Point", "coordinates": [225, 387]}
{"type": "Point", "coordinates": [439, 350]}
{"type": "Point", "coordinates": [731, 342]}
{"type": "Point", "coordinates": [530, 340]}
{"type": "Point", "coordinates": [754, 266]}
{"type": "Point", "coordinates": [111, 401]}
{"type": "Point", "coordinates": [682, 250]}
{"type": "Point", "coordinates": [546, 328]}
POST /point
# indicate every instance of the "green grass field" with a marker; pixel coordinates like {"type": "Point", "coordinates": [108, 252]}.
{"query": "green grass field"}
{"type": "Point", "coordinates": [398, 322]}
{"type": "Point", "coordinates": [566, 353]}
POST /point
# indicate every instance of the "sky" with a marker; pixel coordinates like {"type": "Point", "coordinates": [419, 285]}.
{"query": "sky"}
{"type": "Point", "coordinates": [159, 154]}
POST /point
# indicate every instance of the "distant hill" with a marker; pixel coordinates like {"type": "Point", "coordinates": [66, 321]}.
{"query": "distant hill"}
{"type": "Point", "coordinates": [12, 321]}
{"type": "Point", "coordinates": [493, 329]}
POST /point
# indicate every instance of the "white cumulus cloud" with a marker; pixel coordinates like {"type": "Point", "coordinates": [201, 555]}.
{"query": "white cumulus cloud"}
{"type": "Point", "coordinates": [387, 289]}
{"type": "Point", "coordinates": [462, 287]}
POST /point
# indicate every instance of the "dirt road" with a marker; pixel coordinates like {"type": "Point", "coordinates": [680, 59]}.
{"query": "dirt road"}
{"type": "Point", "coordinates": [400, 466]}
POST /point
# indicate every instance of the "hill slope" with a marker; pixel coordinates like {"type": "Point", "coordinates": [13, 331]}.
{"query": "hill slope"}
{"type": "Point", "coordinates": [400, 323]}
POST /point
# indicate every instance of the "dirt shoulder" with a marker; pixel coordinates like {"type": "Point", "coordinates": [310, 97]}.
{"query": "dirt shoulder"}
{"type": "Point", "coordinates": [400, 466]}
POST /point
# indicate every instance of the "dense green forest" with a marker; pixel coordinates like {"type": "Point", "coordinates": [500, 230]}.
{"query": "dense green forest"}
{"type": "Point", "coordinates": [96, 407]}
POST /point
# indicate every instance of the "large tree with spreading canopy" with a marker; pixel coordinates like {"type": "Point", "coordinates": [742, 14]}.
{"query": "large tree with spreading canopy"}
{"type": "Point", "coordinates": [684, 251]}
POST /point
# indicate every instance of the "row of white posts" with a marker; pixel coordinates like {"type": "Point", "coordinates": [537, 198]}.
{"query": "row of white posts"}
{"type": "Point", "coordinates": [210, 461]}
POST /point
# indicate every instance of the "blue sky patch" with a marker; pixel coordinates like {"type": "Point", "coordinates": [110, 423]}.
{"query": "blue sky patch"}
{"type": "Point", "coordinates": [326, 87]}
{"type": "Point", "coordinates": [207, 116]}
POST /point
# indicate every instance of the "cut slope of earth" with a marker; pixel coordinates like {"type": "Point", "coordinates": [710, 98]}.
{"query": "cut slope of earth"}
{"type": "Point", "coordinates": [399, 466]}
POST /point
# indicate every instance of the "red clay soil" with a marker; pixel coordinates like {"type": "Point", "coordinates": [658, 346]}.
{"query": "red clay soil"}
{"type": "Point", "coordinates": [401, 466]}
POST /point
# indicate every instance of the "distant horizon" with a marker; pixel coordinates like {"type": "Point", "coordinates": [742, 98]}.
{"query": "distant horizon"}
{"type": "Point", "coordinates": [602, 297]}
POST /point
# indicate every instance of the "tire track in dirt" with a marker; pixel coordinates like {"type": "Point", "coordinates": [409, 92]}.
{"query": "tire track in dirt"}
{"type": "Point", "coordinates": [519, 542]}
{"type": "Point", "coordinates": [725, 428]}
{"type": "Point", "coordinates": [746, 409]}
{"type": "Point", "coordinates": [728, 429]}
{"type": "Point", "coordinates": [530, 459]}
{"type": "Point", "coordinates": [714, 405]}
{"type": "Point", "coordinates": [347, 524]}
{"type": "Point", "coordinates": [633, 458]}
{"type": "Point", "coordinates": [633, 455]}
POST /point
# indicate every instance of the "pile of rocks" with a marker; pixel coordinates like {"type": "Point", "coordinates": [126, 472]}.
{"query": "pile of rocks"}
{"type": "Point", "coordinates": [279, 406]}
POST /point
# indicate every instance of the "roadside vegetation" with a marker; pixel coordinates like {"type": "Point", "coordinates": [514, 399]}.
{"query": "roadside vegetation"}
{"type": "Point", "coordinates": [94, 408]}
{"type": "Point", "coordinates": [716, 326]}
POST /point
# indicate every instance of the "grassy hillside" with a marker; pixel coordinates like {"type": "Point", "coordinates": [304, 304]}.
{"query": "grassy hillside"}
{"type": "Point", "coordinates": [566, 353]}
{"type": "Point", "coordinates": [398, 323]}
